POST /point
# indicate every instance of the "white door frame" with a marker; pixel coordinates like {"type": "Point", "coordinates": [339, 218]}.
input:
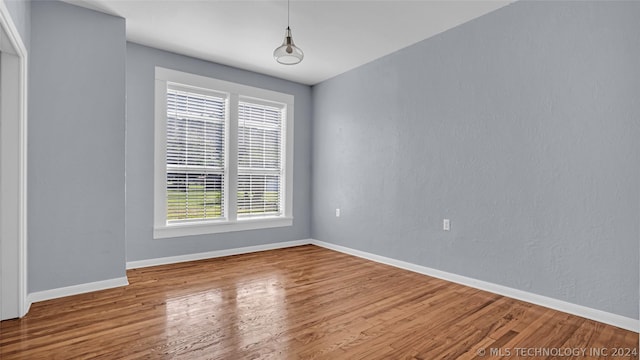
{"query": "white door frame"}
{"type": "Point", "coordinates": [13, 168]}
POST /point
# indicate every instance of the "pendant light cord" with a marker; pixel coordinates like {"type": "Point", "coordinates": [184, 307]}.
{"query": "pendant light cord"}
{"type": "Point", "coordinates": [288, 1]}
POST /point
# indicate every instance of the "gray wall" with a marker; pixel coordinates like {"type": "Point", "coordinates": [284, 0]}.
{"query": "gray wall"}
{"type": "Point", "coordinates": [76, 146]}
{"type": "Point", "coordinates": [521, 126]}
{"type": "Point", "coordinates": [141, 62]}
{"type": "Point", "coordinates": [20, 11]}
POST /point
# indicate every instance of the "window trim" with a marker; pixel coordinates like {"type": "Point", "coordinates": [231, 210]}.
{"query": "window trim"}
{"type": "Point", "coordinates": [161, 229]}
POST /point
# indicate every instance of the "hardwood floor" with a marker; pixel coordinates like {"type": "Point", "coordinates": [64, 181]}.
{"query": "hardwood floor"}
{"type": "Point", "coordinates": [300, 303]}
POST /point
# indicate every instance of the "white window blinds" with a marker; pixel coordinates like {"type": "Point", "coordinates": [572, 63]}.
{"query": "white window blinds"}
{"type": "Point", "coordinates": [260, 166]}
{"type": "Point", "coordinates": [222, 156]}
{"type": "Point", "coordinates": [195, 154]}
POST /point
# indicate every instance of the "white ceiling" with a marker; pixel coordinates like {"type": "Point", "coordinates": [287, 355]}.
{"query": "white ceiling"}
{"type": "Point", "coordinates": [336, 36]}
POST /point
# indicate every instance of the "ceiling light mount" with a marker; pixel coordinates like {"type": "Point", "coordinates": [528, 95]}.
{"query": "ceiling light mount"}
{"type": "Point", "coordinates": [288, 53]}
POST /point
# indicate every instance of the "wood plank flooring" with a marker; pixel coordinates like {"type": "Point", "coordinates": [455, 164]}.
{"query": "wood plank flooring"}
{"type": "Point", "coordinates": [300, 303]}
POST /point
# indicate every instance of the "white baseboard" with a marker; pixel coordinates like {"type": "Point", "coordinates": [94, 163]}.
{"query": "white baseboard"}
{"type": "Point", "coordinates": [214, 254]}
{"type": "Point", "coordinates": [574, 309]}
{"type": "Point", "coordinates": [76, 289]}
{"type": "Point", "coordinates": [579, 310]}
{"type": "Point", "coordinates": [111, 283]}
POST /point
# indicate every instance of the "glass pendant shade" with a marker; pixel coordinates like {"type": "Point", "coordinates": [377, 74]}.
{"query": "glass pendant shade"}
{"type": "Point", "coordinates": [288, 53]}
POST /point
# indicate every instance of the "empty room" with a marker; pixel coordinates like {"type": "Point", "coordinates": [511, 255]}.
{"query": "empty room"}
{"type": "Point", "coordinates": [317, 179]}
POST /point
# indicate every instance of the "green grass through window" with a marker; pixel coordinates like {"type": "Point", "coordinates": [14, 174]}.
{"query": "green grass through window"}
{"type": "Point", "coordinates": [196, 203]}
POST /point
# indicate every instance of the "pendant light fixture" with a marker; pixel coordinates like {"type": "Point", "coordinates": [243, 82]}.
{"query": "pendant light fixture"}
{"type": "Point", "coordinates": [288, 53]}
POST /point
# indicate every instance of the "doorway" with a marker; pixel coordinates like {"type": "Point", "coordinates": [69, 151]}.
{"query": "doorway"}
{"type": "Point", "coordinates": [13, 136]}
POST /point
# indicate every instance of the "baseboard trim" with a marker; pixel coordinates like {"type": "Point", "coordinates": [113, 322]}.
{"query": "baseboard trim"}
{"type": "Point", "coordinates": [76, 289]}
{"type": "Point", "coordinates": [123, 281]}
{"type": "Point", "coordinates": [574, 309]}
{"type": "Point", "coordinates": [214, 254]}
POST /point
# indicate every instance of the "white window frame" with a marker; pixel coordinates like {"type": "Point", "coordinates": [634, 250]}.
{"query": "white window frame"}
{"type": "Point", "coordinates": [231, 222]}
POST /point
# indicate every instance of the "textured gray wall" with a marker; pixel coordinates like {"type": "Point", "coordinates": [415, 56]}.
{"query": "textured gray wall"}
{"type": "Point", "coordinates": [20, 11]}
{"type": "Point", "coordinates": [76, 142]}
{"type": "Point", "coordinates": [141, 62]}
{"type": "Point", "coordinates": [521, 126]}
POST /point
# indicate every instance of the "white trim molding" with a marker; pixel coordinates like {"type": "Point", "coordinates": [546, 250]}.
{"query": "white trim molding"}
{"type": "Point", "coordinates": [570, 308]}
{"type": "Point", "coordinates": [551, 303]}
{"type": "Point", "coordinates": [16, 44]}
{"type": "Point", "coordinates": [123, 281]}
{"type": "Point", "coordinates": [77, 289]}
{"type": "Point", "coordinates": [188, 229]}
{"type": "Point", "coordinates": [214, 254]}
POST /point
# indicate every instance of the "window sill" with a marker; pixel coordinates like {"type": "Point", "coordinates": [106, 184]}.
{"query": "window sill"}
{"type": "Point", "coordinates": [203, 228]}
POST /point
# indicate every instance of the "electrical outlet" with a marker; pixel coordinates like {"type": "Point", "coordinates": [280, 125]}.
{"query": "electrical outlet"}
{"type": "Point", "coordinates": [338, 212]}
{"type": "Point", "coordinates": [446, 225]}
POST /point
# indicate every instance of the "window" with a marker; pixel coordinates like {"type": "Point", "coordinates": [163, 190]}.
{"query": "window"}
{"type": "Point", "coordinates": [259, 162]}
{"type": "Point", "coordinates": [195, 163]}
{"type": "Point", "coordinates": [222, 156]}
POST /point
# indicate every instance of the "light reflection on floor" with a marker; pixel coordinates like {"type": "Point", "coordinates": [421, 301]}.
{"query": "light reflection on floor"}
{"type": "Point", "coordinates": [260, 315]}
